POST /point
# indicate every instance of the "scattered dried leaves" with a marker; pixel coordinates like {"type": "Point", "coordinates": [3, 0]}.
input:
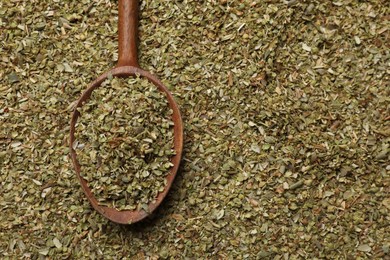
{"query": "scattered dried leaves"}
{"type": "Point", "coordinates": [124, 142]}
{"type": "Point", "coordinates": [286, 112]}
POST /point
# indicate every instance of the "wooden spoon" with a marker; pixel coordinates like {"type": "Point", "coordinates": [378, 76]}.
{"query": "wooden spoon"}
{"type": "Point", "coordinates": [128, 67]}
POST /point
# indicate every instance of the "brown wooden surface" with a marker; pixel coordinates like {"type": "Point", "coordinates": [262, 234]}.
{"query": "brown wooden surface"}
{"type": "Point", "coordinates": [128, 33]}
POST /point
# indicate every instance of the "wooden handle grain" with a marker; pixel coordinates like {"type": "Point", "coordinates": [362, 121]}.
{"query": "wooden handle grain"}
{"type": "Point", "coordinates": [128, 33]}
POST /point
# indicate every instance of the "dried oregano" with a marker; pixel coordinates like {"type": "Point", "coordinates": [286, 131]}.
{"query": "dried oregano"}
{"type": "Point", "coordinates": [125, 142]}
{"type": "Point", "coordinates": [286, 108]}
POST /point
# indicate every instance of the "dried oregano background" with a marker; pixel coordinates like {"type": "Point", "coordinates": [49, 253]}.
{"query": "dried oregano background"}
{"type": "Point", "coordinates": [124, 142]}
{"type": "Point", "coordinates": [287, 128]}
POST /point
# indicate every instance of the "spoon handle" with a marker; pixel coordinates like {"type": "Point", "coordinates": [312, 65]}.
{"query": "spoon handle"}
{"type": "Point", "coordinates": [128, 33]}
